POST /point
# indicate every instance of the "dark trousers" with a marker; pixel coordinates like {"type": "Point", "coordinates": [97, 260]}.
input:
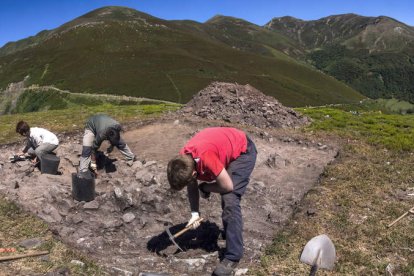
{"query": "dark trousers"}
{"type": "Point", "coordinates": [239, 171]}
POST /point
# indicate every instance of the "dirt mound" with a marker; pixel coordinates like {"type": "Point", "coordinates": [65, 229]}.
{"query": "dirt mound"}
{"type": "Point", "coordinates": [242, 104]}
{"type": "Point", "coordinates": [123, 228]}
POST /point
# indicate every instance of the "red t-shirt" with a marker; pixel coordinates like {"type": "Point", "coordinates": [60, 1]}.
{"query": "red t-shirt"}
{"type": "Point", "coordinates": [214, 148]}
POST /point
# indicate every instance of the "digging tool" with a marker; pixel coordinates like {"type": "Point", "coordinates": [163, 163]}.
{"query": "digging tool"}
{"type": "Point", "coordinates": [10, 249]}
{"type": "Point", "coordinates": [16, 158]}
{"type": "Point", "coordinates": [32, 254]}
{"type": "Point", "coordinates": [319, 252]}
{"type": "Point", "coordinates": [172, 237]}
{"type": "Point", "coordinates": [411, 211]}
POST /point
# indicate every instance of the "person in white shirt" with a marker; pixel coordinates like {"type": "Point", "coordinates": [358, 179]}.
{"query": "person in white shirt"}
{"type": "Point", "coordinates": [40, 141]}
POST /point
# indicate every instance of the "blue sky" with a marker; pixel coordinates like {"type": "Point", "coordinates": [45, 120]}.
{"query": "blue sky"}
{"type": "Point", "coordinates": [22, 18]}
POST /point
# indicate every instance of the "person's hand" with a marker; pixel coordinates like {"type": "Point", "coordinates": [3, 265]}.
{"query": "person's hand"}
{"type": "Point", "coordinates": [94, 167]}
{"type": "Point", "coordinates": [34, 161]}
{"type": "Point", "coordinates": [195, 216]}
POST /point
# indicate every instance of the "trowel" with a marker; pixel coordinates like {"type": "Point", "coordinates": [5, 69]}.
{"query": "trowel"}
{"type": "Point", "coordinates": [319, 252]}
{"type": "Point", "coordinates": [176, 235]}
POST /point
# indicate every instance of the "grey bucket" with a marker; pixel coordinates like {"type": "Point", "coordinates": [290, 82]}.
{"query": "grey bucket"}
{"type": "Point", "coordinates": [49, 163]}
{"type": "Point", "coordinates": [83, 189]}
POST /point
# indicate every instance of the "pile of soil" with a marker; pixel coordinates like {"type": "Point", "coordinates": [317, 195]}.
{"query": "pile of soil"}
{"type": "Point", "coordinates": [124, 227]}
{"type": "Point", "coordinates": [242, 104]}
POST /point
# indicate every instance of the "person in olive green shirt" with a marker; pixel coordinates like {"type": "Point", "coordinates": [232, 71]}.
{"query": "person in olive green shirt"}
{"type": "Point", "coordinates": [99, 128]}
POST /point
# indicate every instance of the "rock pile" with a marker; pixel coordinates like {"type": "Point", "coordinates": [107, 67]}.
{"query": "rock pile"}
{"type": "Point", "coordinates": [242, 104]}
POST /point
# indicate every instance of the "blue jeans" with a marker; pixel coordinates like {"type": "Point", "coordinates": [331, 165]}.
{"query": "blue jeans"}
{"type": "Point", "coordinates": [239, 171]}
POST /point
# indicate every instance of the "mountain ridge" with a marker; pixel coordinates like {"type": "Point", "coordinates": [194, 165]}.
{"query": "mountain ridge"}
{"type": "Point", "coordinates": [182, 56]}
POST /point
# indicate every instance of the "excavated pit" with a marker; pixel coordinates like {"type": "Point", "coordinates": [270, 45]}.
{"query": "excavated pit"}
{"type": "Point", "coordinates": [123, 228]}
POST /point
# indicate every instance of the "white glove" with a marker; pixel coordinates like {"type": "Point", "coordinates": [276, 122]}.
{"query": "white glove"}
{"type": "Point", "coordinates": [193, 220]}
{"type": "Point", "coordinates": [93, 166]}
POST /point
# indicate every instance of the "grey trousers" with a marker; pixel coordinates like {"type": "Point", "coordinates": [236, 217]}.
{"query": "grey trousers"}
{"type": "Point", "coordinates": [88, 138]}
{"type": "Point", "coordinates": [239, 171]}
{"type": "Point", "coordinates": [41, 150]}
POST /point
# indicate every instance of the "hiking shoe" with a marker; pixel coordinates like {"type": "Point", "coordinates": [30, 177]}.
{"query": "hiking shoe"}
{"type": "Point", "coordinates": [203, 194]}
{"type": "Point", "coordinates": [225, 268]}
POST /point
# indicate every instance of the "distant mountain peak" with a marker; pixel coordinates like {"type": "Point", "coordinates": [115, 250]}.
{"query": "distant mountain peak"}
{"type": "Point", "coordinates": [223, 18]}
{"type": "Point", "coordinates": [115, 13]}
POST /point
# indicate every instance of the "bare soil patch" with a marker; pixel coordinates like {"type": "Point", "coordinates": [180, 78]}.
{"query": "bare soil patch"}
{"type": "Point", "coordinates": [123, 228]}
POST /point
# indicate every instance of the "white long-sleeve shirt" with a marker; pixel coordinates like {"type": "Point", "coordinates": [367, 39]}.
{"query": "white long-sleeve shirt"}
{"type": "Point", "coordinates": [40, 135]}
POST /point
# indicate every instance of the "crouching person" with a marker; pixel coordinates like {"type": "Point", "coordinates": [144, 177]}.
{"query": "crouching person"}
{"type": "Point", "coordinates": [225, 158]}
{"type": "Point", "coordinates": [40, 141]}
{"type": "Point", "coordinates": [99, 128]}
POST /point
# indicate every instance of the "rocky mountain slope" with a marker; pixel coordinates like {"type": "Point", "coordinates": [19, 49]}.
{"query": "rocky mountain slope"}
{"type": "Point", "coordinates": [374, 55]}
{"type": "Point", "coordinates": [357, 32]}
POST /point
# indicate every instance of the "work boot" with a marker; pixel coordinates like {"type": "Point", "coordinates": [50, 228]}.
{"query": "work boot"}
{"type": "Point", "coordinates": [225, 268]}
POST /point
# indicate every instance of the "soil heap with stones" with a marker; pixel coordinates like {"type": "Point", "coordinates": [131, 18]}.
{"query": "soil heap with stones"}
{"type": "Point", "coordinates": [242, 104]}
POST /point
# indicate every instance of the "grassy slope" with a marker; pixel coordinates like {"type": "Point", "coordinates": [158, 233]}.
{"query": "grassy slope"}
{"type": "Point", "coordinates": [374, 55]}
{"type": "Point", "coordinates": [376, 75]}
{"type": "Point", "coordinates": [50, 98]}
{"type": "Point", "coordinates": [170, 63]}
{"type": "Point", "coordinates": [358, 196]}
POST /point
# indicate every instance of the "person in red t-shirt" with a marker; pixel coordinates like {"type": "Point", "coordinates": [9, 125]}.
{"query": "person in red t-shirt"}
{"type": "Point", "coordinates": [224, 158]}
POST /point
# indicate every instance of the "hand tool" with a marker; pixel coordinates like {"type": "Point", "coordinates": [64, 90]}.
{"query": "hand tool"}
{"type": "Point", "coordinates": [411, 211]}
{"type": "Point", "coordinates": [172, 237]}
{"type": "Point", "coordinates": [25, 255]}
{"type": "Point", "coordinates": [319, 252]}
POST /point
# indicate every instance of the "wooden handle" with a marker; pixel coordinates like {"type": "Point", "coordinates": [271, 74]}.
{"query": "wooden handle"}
{"type": "Point", "coordinates": [395, 221]}
{"type": "Point", "coordinates": [187, 228]}
{"type": "Point", "coordinates": [14, 257]}
{"type": "Point", "coordinates": [10, 249]}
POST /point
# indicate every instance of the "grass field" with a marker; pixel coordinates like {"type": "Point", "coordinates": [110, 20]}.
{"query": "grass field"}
{"type": "Point", "coordinates": [367, 187]}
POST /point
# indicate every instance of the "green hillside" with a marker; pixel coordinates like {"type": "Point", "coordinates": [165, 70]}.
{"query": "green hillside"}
{"type": "Point", "coordinates": [374, 55]}
{"type": "Point", "coordinates": [35, 98]}
{"type": "Point", "coordinates": [121, 51]}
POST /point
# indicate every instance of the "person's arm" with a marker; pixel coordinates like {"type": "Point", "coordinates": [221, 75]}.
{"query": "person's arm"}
{"type": "Point", "coordinates": [193, 196]}
{"type": "Point", "coordinates": [223, 184]}
{"type": "Point", "coordinates": [28, 146]}
{"type": "Point", "coordinates": [96, 143]}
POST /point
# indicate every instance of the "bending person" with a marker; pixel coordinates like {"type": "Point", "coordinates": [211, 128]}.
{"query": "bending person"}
{"type": "Point", "coordinates": [99, 128]}
{"type": "Point", "coordinates": [40, 141]}
{"type": "Point", "coordinates": [225, 158]}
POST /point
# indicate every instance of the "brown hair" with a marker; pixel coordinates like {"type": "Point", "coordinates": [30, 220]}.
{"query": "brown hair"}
{"type": "Point", "coordinates": [180, 171]}
{"type": "Point", "coordinates": [22, 128]}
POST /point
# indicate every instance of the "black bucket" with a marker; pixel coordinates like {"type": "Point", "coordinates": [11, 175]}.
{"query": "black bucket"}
{"type": "Point", "coordinates": [83, 189]}
{"type": "Point", "coordinates": [49, 164]}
